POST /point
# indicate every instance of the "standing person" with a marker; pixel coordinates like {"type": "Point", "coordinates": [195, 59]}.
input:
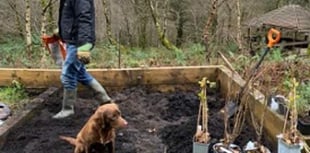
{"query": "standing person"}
{"type": "Point", "coordinates": [77, 30]}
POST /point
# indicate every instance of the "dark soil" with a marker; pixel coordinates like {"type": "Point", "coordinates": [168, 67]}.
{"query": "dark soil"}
{"type": "Point", "coordinates": [158, 122]}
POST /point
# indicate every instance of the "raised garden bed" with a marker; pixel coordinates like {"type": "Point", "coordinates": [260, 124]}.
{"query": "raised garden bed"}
{"type": "Point", "coordinates": [157, 122]}
{"type": "Point", "coordinates": [143, 105]}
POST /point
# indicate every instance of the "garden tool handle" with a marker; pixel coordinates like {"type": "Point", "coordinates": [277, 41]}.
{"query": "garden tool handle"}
{"type": "Point", "coordinates": [271, 40]}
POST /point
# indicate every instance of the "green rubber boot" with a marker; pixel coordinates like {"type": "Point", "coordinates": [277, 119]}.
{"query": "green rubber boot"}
{"type": "Point", "coordinates": [68, 101]}
{"type": "Point", "coordinates": [101, 93]}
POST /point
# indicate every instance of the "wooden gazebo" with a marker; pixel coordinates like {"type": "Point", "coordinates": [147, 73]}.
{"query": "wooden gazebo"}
{"type": "Point", "coordinates": [292, 20]}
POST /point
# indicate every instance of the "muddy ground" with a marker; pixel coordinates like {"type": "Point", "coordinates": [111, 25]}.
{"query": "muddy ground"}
{"type": "Point", "coordinates": [158, 123]}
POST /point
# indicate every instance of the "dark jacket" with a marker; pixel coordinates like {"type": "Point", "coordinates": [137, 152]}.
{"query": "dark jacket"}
{"type": "Point", "coordinates": [77, 21]}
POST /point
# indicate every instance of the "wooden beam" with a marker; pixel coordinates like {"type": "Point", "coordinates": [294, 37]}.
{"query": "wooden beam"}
{"type": "Point", "coordinates": [292, 44]}
{"type": "Point", "coordinates": [44, 78]}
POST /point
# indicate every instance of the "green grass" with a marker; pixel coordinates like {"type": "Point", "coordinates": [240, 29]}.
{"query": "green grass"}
{"type": "Point", "coordinates": [107, 56]}
{"type": "Point", "coordinates": [13, 95]}
{"type": "Point", "coordinates": [13, 53]}
{"type": "Point", "coordinates": [104, 55]}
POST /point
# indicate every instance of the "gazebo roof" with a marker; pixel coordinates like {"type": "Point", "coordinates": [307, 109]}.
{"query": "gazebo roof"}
{"type": "Point", "coordinates": [290, 16]}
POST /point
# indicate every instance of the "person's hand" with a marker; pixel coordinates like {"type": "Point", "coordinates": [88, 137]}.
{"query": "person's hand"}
{"type": "Point", "coordinates": [56, 32]}
{"type": "Point", "coordinates": [83, 53]}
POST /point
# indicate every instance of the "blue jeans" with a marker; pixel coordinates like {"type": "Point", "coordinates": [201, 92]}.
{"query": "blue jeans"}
{"type": "Point", "coordinates": [73, 71]}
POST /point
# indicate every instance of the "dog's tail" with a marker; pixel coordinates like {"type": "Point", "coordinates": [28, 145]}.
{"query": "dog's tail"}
{"type": "Point", "coordinates": [71, 140]}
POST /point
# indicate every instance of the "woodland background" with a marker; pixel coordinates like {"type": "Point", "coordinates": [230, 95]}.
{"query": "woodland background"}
{"type": "Point", "coordinates": [121, 25]}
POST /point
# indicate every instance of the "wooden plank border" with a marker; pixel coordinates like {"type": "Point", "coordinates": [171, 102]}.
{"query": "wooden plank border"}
{"type": "Point", "coordinates": [44, 78]}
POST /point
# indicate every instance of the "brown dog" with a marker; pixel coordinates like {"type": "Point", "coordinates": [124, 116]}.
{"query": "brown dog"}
{"type": "Point", "coordinates": [100, 128]}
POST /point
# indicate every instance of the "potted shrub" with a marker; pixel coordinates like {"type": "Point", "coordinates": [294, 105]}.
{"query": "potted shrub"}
{"type": "Point", "coordinates": [257, 146]}
{"type": "Point", "coordinates": [226, 145]}
{"type": "Point", "coordinates": [237, 108]}
{"type": "Point", "coordinates": [201, 139]}
{"type": "Point", "coordinates": [289, 141]}
{"type": "Point", "coordinates": [303, 108]}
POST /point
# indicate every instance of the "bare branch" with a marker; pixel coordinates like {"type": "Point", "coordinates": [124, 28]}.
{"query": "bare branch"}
{"type": "Point", "coordinates": [13, 7]}
{"type": "Point", "coordinates": [50, 2]}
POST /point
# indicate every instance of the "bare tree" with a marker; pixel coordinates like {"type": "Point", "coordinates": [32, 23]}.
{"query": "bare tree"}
{"type": "Point", "coordinates": [128, 26]}
{"type": "Point", "coordinates": [210, 23]}
{"type": "Point", "coordinates": [161, 33]}
{"type": "Point", "coordinates": [141, 13]}
{"type": "Point", "coordinates": [179, 9]}
{"type": "Point", "coordinates": [18, 17]}
{"type": "Point", "coordinates": [178, 20]}
{"type": "Point", "coordinates": [239, 34]}
{"type": "Point", "coordinates": [50, 18]}
{"type": "Point", "coordinates": [107, 14]}
{"type": "Point", "coordinates": [28, 27]}
{"type": "Point", "coordinates": [45, 7]}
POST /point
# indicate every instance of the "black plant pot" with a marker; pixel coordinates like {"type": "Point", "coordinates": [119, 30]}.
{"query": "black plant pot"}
{"type": "Point", "coordinates": [304, 125]}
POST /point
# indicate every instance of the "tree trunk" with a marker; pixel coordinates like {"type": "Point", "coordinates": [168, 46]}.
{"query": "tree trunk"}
{"type": "Point", "coordinates": [161, 33]}
{"type": "Point", "coordinates": [229, 26]}
{"type": "Point", "coordinates": [18, 23]}
{"type": "Point", "coordinates": [180, 26]}
{"type": "Point", "coordinates": [179, 9]}
{"type": "Point", "coordinates": [43, 17]}
{"type": "Point", "coordinates": [107, 14]}
{"type": "Point", "coordinates": [28, 28]}
{"type": "Point", "coordinates": [45, 7]}
{"type": "Point", "coordinates": [239, 34]}
{"type": "Point", "coordinates": [140, 9]}
{"type": "Point", "coordinates": [143, 33]}
{"type": "Point", "coordinates": [210, 21]}
{"type": "Point", "coordinates": [129, 40]}
{"type": "Point", "coordinates": [50, 19]}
